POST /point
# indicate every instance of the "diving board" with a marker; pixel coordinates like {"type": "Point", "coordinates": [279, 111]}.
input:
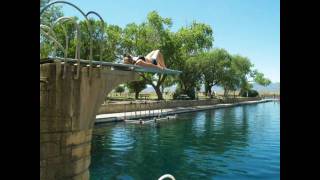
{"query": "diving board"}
{"type": "Point", "coordinates": [116, 66]}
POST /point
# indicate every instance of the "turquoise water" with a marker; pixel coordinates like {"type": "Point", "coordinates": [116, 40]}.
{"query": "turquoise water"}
{"type": "Point", "coordinates": [240, 142]}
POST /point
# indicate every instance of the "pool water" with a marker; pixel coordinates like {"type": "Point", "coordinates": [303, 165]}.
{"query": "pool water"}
{"type": "Point", "coordinates": [241, 142]}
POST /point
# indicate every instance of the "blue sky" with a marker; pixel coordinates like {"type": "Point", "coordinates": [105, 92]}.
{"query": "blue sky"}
{"type": "Point", "coordinates": [250, 28]}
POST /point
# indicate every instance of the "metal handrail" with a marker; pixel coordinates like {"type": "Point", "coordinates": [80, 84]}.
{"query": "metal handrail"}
{"type": "Point", "coordinates": [99, 63]}
{"type": "Point", "coordinates": [85, 15]}
{"type": "Point", "coordinates": [166, 176]}
{"type": "Point", "coordinates": [42, 27]}
{"type": "Point", "coordinates": [78, 39]}
{"type": "Point", "coordinates": [102, 31]}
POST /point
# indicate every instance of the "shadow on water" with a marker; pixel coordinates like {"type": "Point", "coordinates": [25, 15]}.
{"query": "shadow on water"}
{"type": "Point", "coordinates": [194, 146]}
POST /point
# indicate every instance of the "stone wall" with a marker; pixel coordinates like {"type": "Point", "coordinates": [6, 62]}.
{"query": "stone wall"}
{"type": "Point", "coordinates": [116, 108]}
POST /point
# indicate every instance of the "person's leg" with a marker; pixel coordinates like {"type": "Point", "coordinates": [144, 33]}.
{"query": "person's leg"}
{"type": "Point", "coordinates": [148, 56]}
{"type": "Point", "coordinates": [160, 60]}
{"type": "Point", "coordinates": [156, 55]}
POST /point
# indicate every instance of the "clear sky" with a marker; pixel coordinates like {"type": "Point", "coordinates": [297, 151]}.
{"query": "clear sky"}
{"type": "Point", "coordinates": [250, 28]}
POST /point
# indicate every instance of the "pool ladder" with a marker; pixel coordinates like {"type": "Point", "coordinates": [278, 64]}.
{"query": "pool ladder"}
{"type": "Point", "coordinates": [166, 176]}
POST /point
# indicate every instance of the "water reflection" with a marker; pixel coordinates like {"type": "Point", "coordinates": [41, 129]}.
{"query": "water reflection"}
{"type": "Point", "coordinates": [215, 143]}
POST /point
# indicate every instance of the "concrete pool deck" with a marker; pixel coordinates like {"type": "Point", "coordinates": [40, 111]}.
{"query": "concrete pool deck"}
{"type": "Point", "coordinates": [118, 117]}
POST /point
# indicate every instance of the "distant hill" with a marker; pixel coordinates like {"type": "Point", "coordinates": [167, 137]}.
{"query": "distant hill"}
{"type": "Point", "coordinates": [272, 88]}
{"type": "Point", "coordinates": [150, 89]}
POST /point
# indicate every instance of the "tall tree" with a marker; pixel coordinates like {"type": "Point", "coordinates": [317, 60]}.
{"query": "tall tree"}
{"type": "Point", "coordinates": [242, 67]}
{"type": "Point", "coordinates": [190, 77]}
{"type": "Point", "coordinates": [150, 35]}
{"type": "Point", "coordinates": [213, 66]}
{"type": "Point", "coordinates": [240, 74]}
{"type": "Point", "coordinates": [192, 41]}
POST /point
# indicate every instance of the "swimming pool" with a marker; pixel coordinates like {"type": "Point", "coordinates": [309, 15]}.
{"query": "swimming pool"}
{"type": "Point", "coordinates": [241, 142]}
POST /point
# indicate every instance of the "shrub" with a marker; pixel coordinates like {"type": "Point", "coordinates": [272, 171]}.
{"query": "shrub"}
{"type": "Point", "coordinates": [190, 93]}
{"type": "Point", "coordinates": [251, 93]}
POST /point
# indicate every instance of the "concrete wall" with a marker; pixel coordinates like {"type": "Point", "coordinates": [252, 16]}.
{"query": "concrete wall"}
{"type": "Point", "coordinates": [67, 112]}
{"type": "Point", "coordinates": [116, 108]}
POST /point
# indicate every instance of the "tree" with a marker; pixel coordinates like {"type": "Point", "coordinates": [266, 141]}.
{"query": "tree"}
{"type": "Point", "coordinates": [230, 80]}
{"type": "Point", "coordinates": [188, 50]}
{"type": "Point", "coordinates": [250, 93]}
{"type": "Point", "coordinates": [190, 78]}
{"type": "Point", "coordinates": [168, 82]}
{"type": "Point", "coordinates": [112, 48]}
{"type": "Point", "coordinates": [51, 14]}
{"type": "Point", "coordinates": [109, 37]}
{"type": "Point", "coordinates": [213, 67]}
{"type": "Point", "coordinates": [260, 79]}
{"type": "Point", "coordinates": [136, 87]}
{"type": "Point", "coordinates": [47, 18]}
{"type": "Point", "coordinates": [238, 75]}
{"type": "Point", "coordinates": [192, 40]}
{"type": "Point", "coordinates": [196, 38]}
{"type": "Point", "coordinates": [119, 89]}
{"type": "Point", "coordinates": [152, 34]}
{"type": "Point", "coordinates": [242, 68]}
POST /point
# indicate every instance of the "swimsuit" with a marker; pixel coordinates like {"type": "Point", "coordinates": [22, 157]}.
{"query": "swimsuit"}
{"type": "Point", "coordinates": [136, 59]}
{"type": "Point", "coordinates": [154, 61]}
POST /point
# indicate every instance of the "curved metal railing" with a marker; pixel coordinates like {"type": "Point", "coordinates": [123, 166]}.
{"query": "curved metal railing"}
{"type": "Point", "coordinates": [51, 35]}
{"type": "Point", "coordinates": [48, 32]}
{"type": "Point", "coordinates": [89, 28]}
{"type": "Point", "coordinates": [101, 30]}
{"type": "Point", "coordinates": [167, 176]}
{"type": "Point", "coordinates": [78, 40]}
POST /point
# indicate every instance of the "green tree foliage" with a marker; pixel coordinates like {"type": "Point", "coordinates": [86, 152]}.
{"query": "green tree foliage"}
{"type": "Point", "coordinates": [168, 82]}
{"type": "Point", "coordinates": [47, 18]}
{"type": "Point", "coordinates": [241, 67]}
{"type": "Point", "coordinates": [249, 93]}
{"type": "Point", "coordinates": [190, 77]}
{"type": "Point", "coordinates": [260, 79]}
{"type": "Point", "coordinates": [51, 14]}
{"type": "Point", "coordinates": [112, 43]}
{"type": "Point", "coordinates": [213, 66]}
{"type": "Point", "coordinates": [195, 38]}
{"type": "Point", "coordinates": [119, 89]}
{"type": "Point", "coordinates": [110, 40]}
{"type": "Point", "coordinates": [136, 87]}
{"type": "Point", "coordinates": [192, 41]}
{"type": "Point", "coordinates": [238, 74]}
{"type": "Point", "coordinates": [189, 50]}
{"type": "Point", "coordinates": [154, 33]}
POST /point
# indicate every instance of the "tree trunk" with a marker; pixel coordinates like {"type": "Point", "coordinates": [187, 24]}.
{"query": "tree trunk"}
{"type": "Point", "coordinates": [226, 91]}
{"type": "Point", "coordinates": [156, 87]}
{"type": "Point", "coordinates": [159, 94]}
{"type": "Point", "coordinates": [210, 92]}
{"type": "Point", "coordinates": [137, 95]}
